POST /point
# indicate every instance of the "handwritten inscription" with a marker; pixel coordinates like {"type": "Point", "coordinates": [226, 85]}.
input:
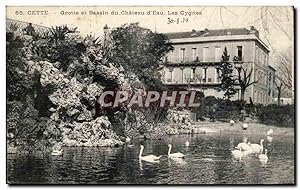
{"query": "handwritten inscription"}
{"type": "Point", "coordinates": [177, 20]}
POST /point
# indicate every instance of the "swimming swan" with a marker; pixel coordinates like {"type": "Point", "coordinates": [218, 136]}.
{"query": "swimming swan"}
{"type": "Point", "coordinates": [187, 143]}
{"type": "Point", "coordinates": [237, 154]}
{"type": "Point", "coordinates": [243, 146]}
{"type": "Point", "coordinates": [245, 126]}
{"type": "Point", "coordinates": [148, 158]}
{"type": "Point", "coordinates": [263, 157]}
{"type": "Point", "coordinates": [270, 132]}
{"type": "Point", "coordinates": [256, 148]}
{"type": "Point", "coordinates": [174, 155]}
{"type": "Point", "coordinates": [269, 139]}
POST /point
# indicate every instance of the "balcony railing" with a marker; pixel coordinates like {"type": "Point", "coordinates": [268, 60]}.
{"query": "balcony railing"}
{"type": "Point", "coordinates": [192, 82]}
{"type": "Point", "coordinates": [191, 63]}
{"type": "Point", "coordinates": [197, 62]}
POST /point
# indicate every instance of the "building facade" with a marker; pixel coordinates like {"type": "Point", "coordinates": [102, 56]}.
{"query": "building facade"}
{"type": "Point", "coordinates": [194, 62]}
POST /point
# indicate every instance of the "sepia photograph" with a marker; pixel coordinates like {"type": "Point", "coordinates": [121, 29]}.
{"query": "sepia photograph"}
{"type": "Point", "coordinates": [150, 95]}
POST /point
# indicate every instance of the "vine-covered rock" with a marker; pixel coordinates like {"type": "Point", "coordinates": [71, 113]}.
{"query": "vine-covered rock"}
{"type": "Point", "coordinates": [94, 133]}
{"type": "Point", "coordinates": [71, 121]}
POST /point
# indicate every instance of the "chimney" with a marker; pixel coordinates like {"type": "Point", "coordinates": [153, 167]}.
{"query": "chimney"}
{"type": "Point", "coordinates": [204, 32]}
{"type": "Point", "coordinates": [194, 32]}
{"type": "Point", "coordinates": [254, 31]}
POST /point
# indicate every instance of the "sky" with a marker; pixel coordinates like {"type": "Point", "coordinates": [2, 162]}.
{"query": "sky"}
{"type": "Point", "coordinates": [275, 24]}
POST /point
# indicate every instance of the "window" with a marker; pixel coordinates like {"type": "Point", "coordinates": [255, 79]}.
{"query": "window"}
{"type": "Point", "coordinates": [260, 56]}
{"type": "Point", "coordinates": [204, 74]}
{"type": "Point", "coordinates": [240, 53]}
{"type": "Point", "coordinates": [170, 75]}
{"type": "Point", "coordinates": [256, 54]}
{"type": "Point", "coordinates": [194, 54]}
{"type": "Point", "coordinates": [166, 58]}
{"type": "Point", "coordinates": [182, 52]}
{"type": "Point", "coordinates": [218, 54]}
{"type": "Point", "coordinates": [217, 73]}
{"type": "Point", "coordinates": [193, 71]}
{"type": "Point", "coordinates": [205, 54]}
{"type": "Point", "coordinates": [171, 58]}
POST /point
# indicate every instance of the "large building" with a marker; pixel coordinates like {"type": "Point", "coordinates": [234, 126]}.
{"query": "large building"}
{"type": "Point", "coordinates": [194, 62]}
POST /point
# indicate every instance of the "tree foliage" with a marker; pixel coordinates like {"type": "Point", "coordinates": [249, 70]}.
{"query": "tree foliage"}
{"type": "Point", "coordinates": [140, 51]}
{"type": "Point", "coordinates": [227, 78]}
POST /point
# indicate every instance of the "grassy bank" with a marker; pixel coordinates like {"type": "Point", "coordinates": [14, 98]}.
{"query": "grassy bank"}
{"type": "Point", "coordinates": [254, 128]}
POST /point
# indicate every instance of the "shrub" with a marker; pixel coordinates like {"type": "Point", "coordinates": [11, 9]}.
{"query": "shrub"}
{"type": "Point", "coordinates": [219, 109]}
{"type": "Point", "coordinates": [282, 116]}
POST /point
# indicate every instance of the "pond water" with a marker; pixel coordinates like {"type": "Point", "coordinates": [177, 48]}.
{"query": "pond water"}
{"type": "Point", "coordinates": [208, 161]}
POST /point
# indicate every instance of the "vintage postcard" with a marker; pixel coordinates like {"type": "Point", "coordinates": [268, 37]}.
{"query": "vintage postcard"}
{"type": "Point", "coordinates": [150, 95]}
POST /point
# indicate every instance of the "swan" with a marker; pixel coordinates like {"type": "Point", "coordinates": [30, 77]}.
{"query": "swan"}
{"type": "Point", "coordinates": [187, 143]}
{"type": "Point", "coordinates": [237, 154]}
{"type": "Point", "coordinates": [174, 155]}
{"type": "Point", "coordinates": [270, 139]}
{"type": "Point", "coordinates": [231, 122]}
{"type": "Point", "coordinates": [263, 157]}
{"type": "Point", "coordinates": [57, 152]}
{"type": "Point", "coordinates": [270, 132]}
{"type": "Point", "coordinates": [245, 126]}
{"type": "Point", "coordinates": [148, 158]}
{"type": "Point", "coordinates": [256, 148]}
{"type": "Point", "coordinates": [247, 152]}
{"type": "Point", "coordinates": [243, 146]}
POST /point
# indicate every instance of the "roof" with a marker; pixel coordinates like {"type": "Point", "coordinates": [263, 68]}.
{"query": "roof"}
{"type": "Point", "coordinates": [271, 67]}
{"type": "Point", "coordinates": [207, 33]}
{"type": "Point", "coordinates": [216, 34]}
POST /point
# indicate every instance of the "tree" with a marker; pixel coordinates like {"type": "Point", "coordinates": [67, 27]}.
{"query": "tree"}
{"type": "Point", "coordinates": [140, 51]}
{"type": "Point", "coordinates": [188, 79]}
{"type": "Point", "coordinates": [284, 67]}
{"type": "Point", "coordinates": [244, 79]}
{"type": "Point", "coordinates": [226, 77]}
{"type": "Point", "coordinates": [280, 87]}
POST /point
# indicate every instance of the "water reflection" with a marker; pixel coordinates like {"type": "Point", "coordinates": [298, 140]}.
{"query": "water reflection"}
{"type": "Point", "coordinates": [208, 161]}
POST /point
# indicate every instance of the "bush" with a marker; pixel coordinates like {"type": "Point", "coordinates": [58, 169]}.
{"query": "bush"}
{"type": "Point", "coordinates": [281, 116]}
{"type": "Point", "coordinates": [219, 109]}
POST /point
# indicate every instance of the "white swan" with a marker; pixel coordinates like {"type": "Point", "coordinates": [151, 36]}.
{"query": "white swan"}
{"type": "Point", "coordinates": [269, 139]}
{"type": "Point", "coordinates": [187, 143]}
{"type": "Point", "coordinates": [237, 154]}
{"type": "Point", "coordinates": [57, 152]}
{"type": "Point", "coordinates": [270, 132]}
{"type": "Point", "coordinates": [245, 126]}
{"type": "Point", "coordinates": [247, 152]}
{"type": "Point", "coordinates": [256, 148]}
{"type": "Point", "coordinates": [174, 155]}
{"type": "Point", "coordinates": [243, 146]}
{"type": "Point", "coordinates": [148, 158]}
{"type": "Point", "coordinates": [231, 122]}
{"type": "Point", "coordinates": [263, 157]}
